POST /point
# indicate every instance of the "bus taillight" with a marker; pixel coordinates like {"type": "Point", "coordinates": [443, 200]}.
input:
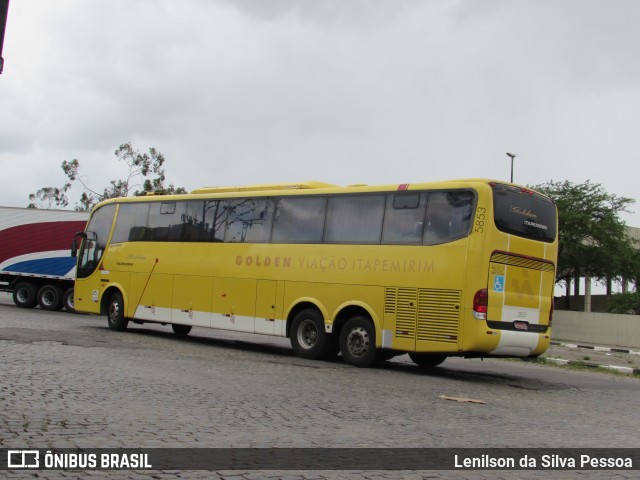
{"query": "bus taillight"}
{"type": "Point", "coordinates": [480, 303]}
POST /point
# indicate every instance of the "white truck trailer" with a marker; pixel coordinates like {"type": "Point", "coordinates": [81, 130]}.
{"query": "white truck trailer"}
{"type": "Point", "coordinates": [36, 265]}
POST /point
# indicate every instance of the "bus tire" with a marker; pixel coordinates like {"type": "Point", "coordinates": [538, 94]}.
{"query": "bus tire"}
{"type": "Point", "coordinates": [427, 360]}
{"type": "Point", "coordinates": [115, 313]}
{"type": "Point", "coordinates": [68, 302]}
{"type": "Point", "coordinates": [358, 342]}
{"type": "Point", "coordinates": [308, 336]}
{"type": "Point", "coordinates": [181, 330]}
{"type": "Point", "coordinates": [50, 297]}
{"type": "Point", "coordinates": [25, 295]}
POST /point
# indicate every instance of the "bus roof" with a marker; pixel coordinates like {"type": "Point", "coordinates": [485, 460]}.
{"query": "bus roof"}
{"type": "Point", "coordinates": [265, 187]}
{"type": "Point", "coordinates": [308, 187]}
{"type": "Point", "coordinates": [360, 187]}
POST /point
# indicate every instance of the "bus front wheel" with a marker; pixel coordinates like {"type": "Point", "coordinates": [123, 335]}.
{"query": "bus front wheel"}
{"type": "Point", "coordinates": [358, 342]}
{"type": "Point", "coordinates": [115, 313]}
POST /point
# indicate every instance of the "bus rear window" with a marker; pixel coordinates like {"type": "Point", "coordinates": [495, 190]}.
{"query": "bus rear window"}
{"type": "Point", "coordinates": [521, 212]}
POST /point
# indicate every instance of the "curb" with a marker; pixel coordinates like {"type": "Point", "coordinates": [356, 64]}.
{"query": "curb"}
{"type": "Point", "coordinates": [597, 349]}
{"type": "Point", "coordinates": [626, 370]}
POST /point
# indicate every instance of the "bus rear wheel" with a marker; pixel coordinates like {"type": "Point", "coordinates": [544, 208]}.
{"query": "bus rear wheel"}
{"type": "Point", "coordinates": [358, 342]}
{"type": "Point", "coordinates": [427, 360]}
{"type": "Point", "coordinates": [181, 330]}
{"type": "Point", "coordinates": [308, 336]}
{"type": "Point", "coordinates": [115, 313]}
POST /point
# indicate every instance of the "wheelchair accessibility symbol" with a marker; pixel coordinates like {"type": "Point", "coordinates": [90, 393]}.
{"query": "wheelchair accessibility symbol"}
{"type": "Point", "coordinates": [498, 283]}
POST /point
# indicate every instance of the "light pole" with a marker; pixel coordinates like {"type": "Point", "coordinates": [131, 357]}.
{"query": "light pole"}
{"type": "Point", "coordinates": [512, 157]}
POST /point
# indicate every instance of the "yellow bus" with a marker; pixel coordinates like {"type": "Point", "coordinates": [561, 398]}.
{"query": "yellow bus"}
{"type": "Point", "coordinates": [455, 268]}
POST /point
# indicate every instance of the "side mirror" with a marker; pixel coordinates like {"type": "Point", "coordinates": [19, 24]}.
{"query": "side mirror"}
{"type": "Point", "coordinates": [77, 240]}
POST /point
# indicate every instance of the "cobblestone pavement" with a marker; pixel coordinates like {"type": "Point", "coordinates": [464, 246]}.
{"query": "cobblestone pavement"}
{"type": "Point", "coordinates": [68, 381]}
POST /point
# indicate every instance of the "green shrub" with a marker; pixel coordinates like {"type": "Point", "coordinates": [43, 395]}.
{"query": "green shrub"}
{"type": "Point", "coordinates": [628, 303]}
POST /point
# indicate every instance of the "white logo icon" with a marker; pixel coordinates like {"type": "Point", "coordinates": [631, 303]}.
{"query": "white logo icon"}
{"type": "Point", "coordinates": [23, 459]}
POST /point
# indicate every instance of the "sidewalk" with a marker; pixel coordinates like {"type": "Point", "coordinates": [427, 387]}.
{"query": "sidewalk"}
{"type": "Point", "coordinates": [619, 359]}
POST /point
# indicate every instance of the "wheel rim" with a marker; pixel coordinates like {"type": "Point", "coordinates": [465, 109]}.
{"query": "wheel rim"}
{"type": "Point", "coordinates": [48, 298]}
{"type": "Point", "coordinates": [307, 334]}
{"type": "Point", "coordinates": [358, 342]}
{"type": "Point", "coordinates": [114, 312]}
{"type": "Point", "coordinates": [22, 295]}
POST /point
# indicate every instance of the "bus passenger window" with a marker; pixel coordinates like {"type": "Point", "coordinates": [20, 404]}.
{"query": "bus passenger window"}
{"type": "Point", "coordinates": [165, 221]}
{"type": "Point", "coordinates": [131, 222]}
{"type": "Point", "coordinates": [249, 220]}
{"type": "Point", "coordinates": [354, 219]}
{"type": "Point", "coordinates": [201, 219]}
{"type": "Point", "coordinates": [404, 219]}
{"type": "Point", "coordinates": [448, 216]}
{"type": "Point", "coordinates": [299, 220]}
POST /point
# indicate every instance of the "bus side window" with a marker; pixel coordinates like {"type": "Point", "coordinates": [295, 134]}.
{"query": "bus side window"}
{"type": "Point", "coordinates": [448, 216]}
{"type": "Point", "coordinates": [404, 219]}
{"type": "Point", "coordinates": [131, 222]}
{"type": "Point", "coordinates": [249, 220]}
{"type": "Point", "coordinates": [354, 219]}
{"type": "Point", "coordinates": [299, 220]}
{"type": "Point", "coordinates": [201, 219]}
{"type": "Point", "coordinates": [165, 221]}
{"type": "Point", "coordinates": [90, 253]}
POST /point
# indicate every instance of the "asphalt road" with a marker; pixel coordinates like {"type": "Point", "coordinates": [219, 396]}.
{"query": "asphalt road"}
{"type": "Point", "coordinates": [69, 382]}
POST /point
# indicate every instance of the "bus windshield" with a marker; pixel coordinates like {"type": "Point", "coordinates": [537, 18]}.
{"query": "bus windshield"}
{"type": "Point", "coordinates": [524, 213]}
{"type": "Point", "coordinates": [97, 234]}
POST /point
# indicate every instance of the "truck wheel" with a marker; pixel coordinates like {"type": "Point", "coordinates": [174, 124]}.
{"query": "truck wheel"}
{"type": "Point", "coordinates": [68, 302]}
{"type": "Point", "coordinates": [25, 295]}
{"type": "Point", "coordinates": [50, 297]}
{"type": "Point", "coordinates": [115, 313]}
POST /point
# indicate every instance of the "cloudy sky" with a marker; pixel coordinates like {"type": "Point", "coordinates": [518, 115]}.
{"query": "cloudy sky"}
{"type": "Point", "coordinates": [341, 91]}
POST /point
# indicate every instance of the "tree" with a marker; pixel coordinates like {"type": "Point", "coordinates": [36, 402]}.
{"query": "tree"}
{"type": "Point", "coordinates": [593, 239]}
{"type": "Point", "coordinates": [145, 174]}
